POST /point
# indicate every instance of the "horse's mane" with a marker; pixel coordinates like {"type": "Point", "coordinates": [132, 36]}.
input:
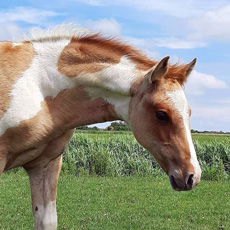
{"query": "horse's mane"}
{"type": "Point", "coordinates": [76, 34]}
{"type": "Point", "coordinates": [56, 33]}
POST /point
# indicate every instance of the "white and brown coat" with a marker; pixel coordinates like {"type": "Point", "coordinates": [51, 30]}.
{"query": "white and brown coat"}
{"type": "Point", "coordinates": [50, 85]}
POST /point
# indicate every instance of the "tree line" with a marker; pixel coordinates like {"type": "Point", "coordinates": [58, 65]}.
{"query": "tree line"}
{"type": "Point", "coordinates": [114, 126]}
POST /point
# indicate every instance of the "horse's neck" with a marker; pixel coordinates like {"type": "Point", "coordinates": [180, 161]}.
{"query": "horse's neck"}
{"type": "Point", "coordinates": [116, 78]}
{"type": "Point", "coordinates": [111, 84]}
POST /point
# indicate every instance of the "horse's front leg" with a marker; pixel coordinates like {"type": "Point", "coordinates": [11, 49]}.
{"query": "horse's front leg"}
{"type": "Point", "coordinates": [43, 184]}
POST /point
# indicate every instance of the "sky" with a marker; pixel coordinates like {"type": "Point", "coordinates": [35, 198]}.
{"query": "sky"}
{"type": "Point", "coordinates": [180, 29]}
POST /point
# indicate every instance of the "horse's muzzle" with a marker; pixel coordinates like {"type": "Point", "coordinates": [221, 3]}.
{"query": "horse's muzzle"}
{"type": "Point", "coordinates": [186, 184]}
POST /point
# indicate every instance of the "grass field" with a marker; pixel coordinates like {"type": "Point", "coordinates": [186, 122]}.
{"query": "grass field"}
{"type": "Point", "coordinates": [116, 154]}
{"type": "Point", "coordinates": [91, 202]}
{"type": "Point", "coordinates": [108, 181]}
{"type": "Point", "coordinates": [210, 137]}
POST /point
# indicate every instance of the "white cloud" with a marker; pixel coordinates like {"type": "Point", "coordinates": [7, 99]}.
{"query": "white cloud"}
{"type": "Point", "coordinates": [28, 15]}
{"type": "Point", "coordinates": [225, 101]}
{"type": "Point", "coordinates": [175, 43]}
{"type": "Point", "coordinates": [106, 26]}
{"type": "Point", "coordinates": [170, 43]}
{"type": "Point", "coordinates": [101, 125]}
{"type": "Point", "coordinates": [198, 82]}
{"type": "Point", "coordinates": [212, 118]}
{"type": "Point", "coordinates": [212, 113]}
{"type": "Point", "coordinates": [151, 54]}
{"type": "Point", "coordinates": [142, 43]}
{"type": "Point", "coordinates": [10, 31]}
{"type": "Point", "coordinates": [213, 24]}
{"type": "Point", "coordinates": [89, 2]}
{"type": "Point", "coordinates": [177, 8]}
{"type": "Point", "coordinates": [146, 46]}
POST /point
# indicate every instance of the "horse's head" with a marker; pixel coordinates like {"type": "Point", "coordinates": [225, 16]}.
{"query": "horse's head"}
{"type": "Point", "coordinates": [160, 120]}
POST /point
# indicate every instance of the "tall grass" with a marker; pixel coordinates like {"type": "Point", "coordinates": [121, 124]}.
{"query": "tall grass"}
{"type": "Point", "coordinates": [108, 155]}
{"type": "Point", "coordinates": [121, 155]}
{"type": "Point", "coordinates": [214, 157]}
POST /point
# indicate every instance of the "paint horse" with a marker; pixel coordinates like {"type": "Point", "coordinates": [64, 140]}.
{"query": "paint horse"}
{"type": "Point", "coordinates": [51, 84]}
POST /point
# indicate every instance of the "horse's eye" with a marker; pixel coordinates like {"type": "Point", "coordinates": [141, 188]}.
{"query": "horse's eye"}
{"type": "Point", "coordinates": [162, 116]}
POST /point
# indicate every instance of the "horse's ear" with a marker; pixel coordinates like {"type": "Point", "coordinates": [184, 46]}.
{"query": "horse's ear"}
{"type": "Point", "coordinates": [190, 67]}
{"type": "Point", "coordinates": [156, 73]}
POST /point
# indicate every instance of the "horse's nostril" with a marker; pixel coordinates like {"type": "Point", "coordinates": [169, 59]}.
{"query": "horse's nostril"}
{"type": "Point", "coordinates": [173, 182]}
{"type": "Point", "coordinates": [190, 180]}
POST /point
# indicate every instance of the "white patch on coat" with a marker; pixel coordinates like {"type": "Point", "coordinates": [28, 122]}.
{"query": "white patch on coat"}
{"type": "Point", "coordinates": [46, 216]}
{"type": "Point", "coordinates": [119, 101]}
{"type": "Point", "coordinates": [113, 85]}
{"type": "Point", "coordinates": [116, 78]}
{"type": "Point", "coordinates": [179, 100]}
{"type": "Point", "coordinates": [39, 81]}
{"type": "Point", "coordinates": [16, 44]}
{"type": "Point", "coordinates": [49, 220]}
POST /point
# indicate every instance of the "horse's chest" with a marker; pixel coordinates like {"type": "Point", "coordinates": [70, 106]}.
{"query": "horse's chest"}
{"type": "Point", "coordinates": [16, 160]}
{"type": "Point", "coordinates": [50, 149]}
{"type": "Point", "coordinates": [26, 141]}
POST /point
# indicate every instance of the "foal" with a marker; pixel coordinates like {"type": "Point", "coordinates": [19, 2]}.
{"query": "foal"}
{"type": "Point", "coordinates": [50, 85]}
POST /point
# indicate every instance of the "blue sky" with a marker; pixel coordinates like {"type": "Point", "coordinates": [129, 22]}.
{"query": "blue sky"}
{"type": "Point", "coordinates": [181, 29]}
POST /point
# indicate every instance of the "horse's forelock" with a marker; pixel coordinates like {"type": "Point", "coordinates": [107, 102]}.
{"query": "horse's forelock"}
{"type": "Point", "coordinates": [177, 72]}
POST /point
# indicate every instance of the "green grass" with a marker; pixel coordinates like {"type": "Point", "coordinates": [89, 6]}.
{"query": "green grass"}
{"type": "Point", "coordinates": [116, 200]}
{"type": "Point", "coordinates": [196, 136]}
{"type": "Point", "coordinates": [91, 202]}
{"type": "Point", "coordinates": [109, 154]}
{"type": "Point", "coordinates": [210, 137]}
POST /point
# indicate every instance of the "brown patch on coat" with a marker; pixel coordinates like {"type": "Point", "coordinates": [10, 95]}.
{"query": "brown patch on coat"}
{"type": "Point", "coordinates": [13, 61]}
{"type": "Point", "coordinates": [69, 109]}
{"type": "Point", "coordinates": [93, 53]}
